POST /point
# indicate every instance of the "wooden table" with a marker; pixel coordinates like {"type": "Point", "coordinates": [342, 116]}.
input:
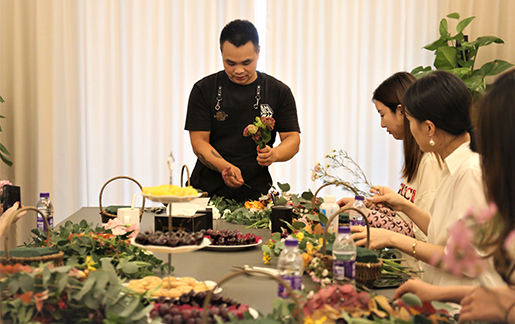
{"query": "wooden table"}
{"type": "Point", "coordinates": [255, 291]}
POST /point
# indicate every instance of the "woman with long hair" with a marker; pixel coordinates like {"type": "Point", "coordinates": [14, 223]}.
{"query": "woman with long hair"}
{"type": "Point", "coordinates": [438, 109]}
{"type": "Point", "coordinates": [496, 143]}
{"type": "Point", "coordinates": [420, 171]}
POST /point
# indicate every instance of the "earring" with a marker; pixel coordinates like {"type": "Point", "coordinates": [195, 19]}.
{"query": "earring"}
{"type": "Point", "coordinates": [431, 142]}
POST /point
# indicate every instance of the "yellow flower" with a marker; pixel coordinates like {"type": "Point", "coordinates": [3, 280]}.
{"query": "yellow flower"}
{"type": "Point", "coordinates": [309, 320]}
{"type": "Point", "coordinates": [300, 236]}
{"type": "Point", "coordinates": [309, 248]}
{"type": "Point", "coordinates": [90, 263]}
{"type": "Point", "coordinates": [254, 204]}
{"type": "Point", "coordinates": [266, 258]}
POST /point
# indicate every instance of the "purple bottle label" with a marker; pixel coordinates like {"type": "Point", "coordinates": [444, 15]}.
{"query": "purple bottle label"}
{"type": "Point", "coordinates": [294, 281]}
{"type": "Point", "coordinates": [41, 223]}
{"type": "Point", "coordinates": [353, 222]}
{"type": "Point", "coordinates": [344, 269]}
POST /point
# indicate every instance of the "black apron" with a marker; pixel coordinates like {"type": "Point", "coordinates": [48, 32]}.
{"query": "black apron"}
{"type": "Point", "coordinates": [227, 138]}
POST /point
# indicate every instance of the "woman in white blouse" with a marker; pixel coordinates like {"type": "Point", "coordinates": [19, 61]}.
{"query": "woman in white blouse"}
{"type": "Point", "coordinates": [438, 108]}
{"type": "Point", "coordinates": [496, 144]}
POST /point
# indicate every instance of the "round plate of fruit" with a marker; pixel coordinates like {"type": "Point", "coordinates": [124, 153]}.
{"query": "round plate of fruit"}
{"type": "Point", "coordinates": [174, 242]}
{"type": "Point", "coordinates": [170, 193]}
{"type": "Point", "coordinates": [230, 240]}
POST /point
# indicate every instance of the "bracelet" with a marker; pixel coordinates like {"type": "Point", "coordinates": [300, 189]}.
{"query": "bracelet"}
{"type": "Point", "coordinates": [414, 251]}
{"type": "Point", "coordinates": [508, 312]}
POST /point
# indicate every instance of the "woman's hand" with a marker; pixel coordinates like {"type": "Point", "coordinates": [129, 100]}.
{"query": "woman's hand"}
{"type": "Point", "coordinates": [8, 213]}
{"type": "Point", "coordinates": [379, 238]}
{"type": "Point", "coordinates": [385, 195]}
{"type": "Point", "coordinates": [345, 202]}
{"type": "Point", "coordinates": [232, 177]}
{"type": "Point", "coordinates": [424, 291]}
{"type": "Point", "coordinates": [488, 305]}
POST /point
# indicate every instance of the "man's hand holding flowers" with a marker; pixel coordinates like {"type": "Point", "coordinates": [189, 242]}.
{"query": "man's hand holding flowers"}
{"type": "Point", "coordinates": [261, 133]}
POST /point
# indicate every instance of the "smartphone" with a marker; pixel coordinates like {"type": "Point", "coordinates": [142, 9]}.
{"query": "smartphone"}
{"type": "Point", "coordinates": [10, 195]}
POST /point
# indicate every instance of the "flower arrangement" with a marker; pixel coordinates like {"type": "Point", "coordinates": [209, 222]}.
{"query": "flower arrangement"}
{"type": "Point", "coordinates": [260, 131]}
{"type": "Point", "coordinates": [68, 295]}
{"type": "Point", "coordinates": [83, 243]}
{"type": "Point", "coordinates": [340, 159]}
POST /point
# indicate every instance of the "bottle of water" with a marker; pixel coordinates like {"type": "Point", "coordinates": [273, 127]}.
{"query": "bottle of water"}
{"type": "Point", "coordinates": [290, 266]}
{"type": "Point", "coordinates": [328, 208]}
{"type": "Point", "coordinates": [356, 218]}
{"type": "Point", "coordinates": [45, 206]}
{"type": "Point", "coordinates": [344, 257]}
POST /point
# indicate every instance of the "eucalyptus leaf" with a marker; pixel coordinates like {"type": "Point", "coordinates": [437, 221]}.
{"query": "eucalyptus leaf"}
{"type": "Point", "coordinates": [91, 301]}
{"type": "Point", "coordinates": [143, 313]}
{"type": "Point", "coordinates": [285, 187]}
{"type": "Point", "coordinates": [298, 225]}
{"type": "Point", "coordinates": [131, 307]}
{"type": "Point", "coordinates": [130, 268]}
{"type": "Point", "coordinates": [308, 195]}
{"type": "Point", "coordinates": [88, 284]}
{"type": "Point", "coordinates": [26, 283]}
{"type": "Point", "coordinates": [281, 201]}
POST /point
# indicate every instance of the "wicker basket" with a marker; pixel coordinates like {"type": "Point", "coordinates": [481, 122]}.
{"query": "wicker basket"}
{"type": "Point", "coordinates": [299, 315]}
{"type": "Point", "coordinates": [7, 259]}
{"type": "Point", "coordinates": [366, 273]}
{"type": "Point", "coordinates": [107, 216]}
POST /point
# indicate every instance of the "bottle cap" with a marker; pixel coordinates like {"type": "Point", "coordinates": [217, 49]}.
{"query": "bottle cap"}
{"type": "Point", "coordinates": [291, 242]}
{"type": "Point", "coordinates": [44, 195]}
{"type": "Point", "coordinates": [357, 197]}
{"type": "Point", "coordinates": [330, 199]}
{"type": "Point", "coordinates": [343, 230]}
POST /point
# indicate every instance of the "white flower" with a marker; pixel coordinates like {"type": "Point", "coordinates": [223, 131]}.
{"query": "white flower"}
{"type": "Point", "coordinates": [325, 273]}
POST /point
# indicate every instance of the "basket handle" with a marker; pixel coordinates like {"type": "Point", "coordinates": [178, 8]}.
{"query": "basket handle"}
{"type": "Point", "coordinates": [336, 183]}
{"type": "Point", "coordinates": [205, 306]}
{"type": "Point", "coordinates": [120, 177]}
{"type": "Point", "coordinates": [13, 217]}
{"type": "Point", "coordinates": [188, 175]}
{"type": "Point", "coordinates": [341, 210]}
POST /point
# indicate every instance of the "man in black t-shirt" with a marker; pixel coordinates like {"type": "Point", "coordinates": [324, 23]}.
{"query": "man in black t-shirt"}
{"type": "Point", "coordinates": [221, 105]}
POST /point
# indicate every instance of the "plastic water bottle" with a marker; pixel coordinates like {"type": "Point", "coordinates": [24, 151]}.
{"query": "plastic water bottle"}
{"type": "Point", "coordinates": [45, 206]}
{"type": "Point", "coordinates": [356, 218]}
{"type": "Point", "coordinates": [328, 208]}
{"type": "Point", "coordinates": [290, 266]}
{"type": "Point", "coordinates": [344, 257]}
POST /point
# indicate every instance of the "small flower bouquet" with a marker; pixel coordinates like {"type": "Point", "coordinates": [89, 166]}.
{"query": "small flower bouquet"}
{"type": "Point", "coordinates": [260, 130]}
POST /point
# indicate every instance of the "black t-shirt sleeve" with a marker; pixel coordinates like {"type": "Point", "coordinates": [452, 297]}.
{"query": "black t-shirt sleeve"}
{"type": "Point", "coordinates": [198, 116]}
{"type": "Point", "coordinates": [286, 119]}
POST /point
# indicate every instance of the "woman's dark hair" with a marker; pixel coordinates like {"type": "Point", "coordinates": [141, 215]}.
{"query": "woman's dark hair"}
{"type": "Point", "coordinates": [496, 143]}
{"type": "Point", "coordinates": [239, 32]}
{"type": "Point", "coordinates": [390, 93]}
{"type": "Point", "coordinates": [445, 100]}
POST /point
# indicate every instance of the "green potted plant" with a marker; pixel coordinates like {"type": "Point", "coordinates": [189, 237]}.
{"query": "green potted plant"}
{"type": "Point", "coordinates": [4, 153]}
{"type": "Point", "coordinates": [454, 53]}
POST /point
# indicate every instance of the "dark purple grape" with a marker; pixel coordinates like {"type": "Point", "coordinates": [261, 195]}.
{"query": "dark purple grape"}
{"type": "Point", "coordinates": [177, 319]}
{"type": "Point", "coordinates": [154, 313]}
{"type": "Point", "coordinates": [174, 311]}
{"type": "Point", "coordinates": [195, 312]}
{"type": "Point", "coordinates": [214, 311]}
{"type": "Point", "coordinates": [164, 309]}
{"type": "Point", "coordinates": [186, 314]}
{"type": "Point", "coordinates": [190, 321]}
{"type": "Point", "coordinates": [167, 319]}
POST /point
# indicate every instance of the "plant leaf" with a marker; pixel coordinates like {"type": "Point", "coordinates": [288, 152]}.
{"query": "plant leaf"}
{"type": "Point", "coordinates": [420, 70]}
{"type": "Point", "coordinates": [461, 72]}
{"type": "Point", "coordinates": [285, 187]}
{"type": "Point", "coordinates": [454, 15]}
{"type": "Point", "coordinates": [487, 40]}
{"type": "Point", "coordinates": [443, 28]}
{"type": "Point", "coordinates": [129, 308]}
{"type": "Point", "coordinates": [4, 150]}
{"type": "Point", "coordinates": [442, 41]}
{"type": "Point", "coordinates": [464, 23]}
{"type": "Point", "coordinates": [445, 58]}
{"type": "Point", "coordinates": [476, 82]}
{"type": "Point", "coordinates": [298, 225]}
{"type": "Point", "coordinates": [130, 268]}
{"type": "Point", "coordinates": [495, 67]}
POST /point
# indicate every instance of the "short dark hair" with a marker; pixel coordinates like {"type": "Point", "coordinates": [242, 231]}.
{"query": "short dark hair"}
{"type": "Point", "coordinates": [390, 93]}
{"type": "Point", "coordinates": [444, 99]}
{"type": "Point", "coordinates": [239, 32]}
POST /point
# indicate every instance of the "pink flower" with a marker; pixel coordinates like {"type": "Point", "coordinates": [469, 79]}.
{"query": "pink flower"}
{"type": "Point", "coordinates": [269, 122]}
{"type": "Point", "coordinates": [3, 183]}
{"type": "Point", "coordinates": [250, 130]}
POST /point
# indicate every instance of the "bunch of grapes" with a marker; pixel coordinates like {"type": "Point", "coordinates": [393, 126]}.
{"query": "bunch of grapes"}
{"type": "Point", "coordinates": [171, 239]}
{"type": "Point", "coordinates": [234, 237]}
{"type": "Point", "coordinates": [187, 309]}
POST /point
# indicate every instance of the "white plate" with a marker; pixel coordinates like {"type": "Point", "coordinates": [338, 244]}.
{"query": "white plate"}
{"type": "Point", "coordinates": [167, 249]}
{"type": "Point", "coordinates": [231, 247]}
{"type": "Point", "coordinates": [170, 199]}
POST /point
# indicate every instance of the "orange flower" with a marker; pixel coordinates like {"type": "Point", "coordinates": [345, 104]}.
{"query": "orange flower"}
{"type": "Point", "coordinates": [254, 204]}
{"type": "Point", "coordinates": [26, 297]}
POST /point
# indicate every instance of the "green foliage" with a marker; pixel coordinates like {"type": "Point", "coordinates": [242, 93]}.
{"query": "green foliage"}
{"type": "Point", "coordinates": [82, 241]}
{"type": "Point", "coordinates": [4, 153]}
{"type": "Point", "coordinates": [454, 53]}
{"type": "Point", "coordinates": [68, 295]}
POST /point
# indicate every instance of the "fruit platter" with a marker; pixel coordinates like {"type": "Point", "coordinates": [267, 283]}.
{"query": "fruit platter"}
{"type": "Point", "coordinates": [170, 193]}
{"type": "Point", "coordinates": [230, 240]}
{"type": "Point", "coordinates": [170, 287]}
{"type": "Point", "coordinates": [171, 242]}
